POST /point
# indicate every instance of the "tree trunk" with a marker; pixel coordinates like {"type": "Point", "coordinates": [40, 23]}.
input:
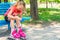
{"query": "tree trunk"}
{"type": "Point", "coordinates": [46, 3]}
{"type": "Point", "coordinates": [0, 1]}
{"type": "Point", "coordinates": [51, 4]}
{"type": "Point", "coordinates": [20, 0]}
{"type": "Point", "coordinates": [5, 0]}
{"type": "Point", "coordinates": [34, 9]}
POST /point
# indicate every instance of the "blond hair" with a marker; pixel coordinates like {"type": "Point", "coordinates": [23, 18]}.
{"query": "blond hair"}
{"type": "Point", "coordinates": [20, 2]}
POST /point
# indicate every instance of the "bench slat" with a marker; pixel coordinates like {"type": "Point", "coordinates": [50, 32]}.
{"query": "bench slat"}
{"type": "Point", "coordinates": [3, 22]}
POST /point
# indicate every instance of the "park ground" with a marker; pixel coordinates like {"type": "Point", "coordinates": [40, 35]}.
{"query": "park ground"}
{"type": "Point", "coordinates": [40, 31]}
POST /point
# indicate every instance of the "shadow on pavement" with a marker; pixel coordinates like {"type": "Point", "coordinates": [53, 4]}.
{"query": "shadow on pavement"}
{"type": "Point", "coordinates": [6, 33]}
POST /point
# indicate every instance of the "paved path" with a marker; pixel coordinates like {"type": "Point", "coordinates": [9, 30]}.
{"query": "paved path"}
{"type": "Point", "coordinates": [49, 32]}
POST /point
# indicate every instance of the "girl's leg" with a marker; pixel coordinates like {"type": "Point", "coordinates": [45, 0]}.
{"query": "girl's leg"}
{"type": "Point", "coordinates": [18, 24]}
{"type": "Point", "coordinates": [13, 30]}
{"type": "Point", "coordinates": [19, 29]}
{"type": "Point", "coordinates": [12, 25]}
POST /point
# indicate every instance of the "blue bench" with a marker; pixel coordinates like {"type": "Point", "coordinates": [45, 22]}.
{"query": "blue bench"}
{"type": "Point", "coordinates": [3, 8]}
{"type": "Point", "coordinates": [3, 22]}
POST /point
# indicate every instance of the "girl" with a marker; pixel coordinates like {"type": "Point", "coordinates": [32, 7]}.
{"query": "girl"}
{"type": "Point", "coordinates": [14, 13]}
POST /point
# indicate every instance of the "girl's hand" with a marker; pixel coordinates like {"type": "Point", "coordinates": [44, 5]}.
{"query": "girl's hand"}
{"type": "Point", "coordinates": [18, 18]}
{"type": "Point", "coordinates": [11, 17]}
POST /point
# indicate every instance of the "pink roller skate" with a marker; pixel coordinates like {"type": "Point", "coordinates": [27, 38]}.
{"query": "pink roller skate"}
{"type": "Point", "coordinates": [15, 34]}
{"type": "Point", "coordinates": [22, 34]}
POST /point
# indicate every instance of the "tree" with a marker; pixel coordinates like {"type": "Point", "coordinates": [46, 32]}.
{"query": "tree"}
{"type": "Point", "coordinates": [51, 2]}
{"type": "Point", "coordinates": [5, 0]}
{"type": "Point", "coordinates": [20, 0]}
{"type": "Point", "coordinates": [0, 1]}
{"type": "Point", "coordinates": [46, 3]}
{"type": "Point", "coordinates": [34, 9]}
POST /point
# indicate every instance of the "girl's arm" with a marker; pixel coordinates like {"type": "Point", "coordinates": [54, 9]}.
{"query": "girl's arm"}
{"type": "Point", "coordinates": [20, 14]}
{"type": "Point", "coordinates": [9, 14]}
{"type": "Point", "coordinates": [19, 17]}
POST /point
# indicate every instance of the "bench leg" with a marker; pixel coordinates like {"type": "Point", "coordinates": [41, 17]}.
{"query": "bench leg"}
{"type": "Point", "coordinates": [9, 26]}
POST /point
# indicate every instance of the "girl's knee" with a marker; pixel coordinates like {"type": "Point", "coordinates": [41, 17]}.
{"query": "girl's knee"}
{"type": "Point", "coordinates": [11, 19]}
{"type": "Point", "coordinates": [17, 19]}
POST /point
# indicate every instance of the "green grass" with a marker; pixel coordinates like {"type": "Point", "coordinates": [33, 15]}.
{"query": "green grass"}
{"type": "Point", "coordinates": [27, 1]}
{"type": "Point", "coordinates": [48, 9]}
{"type": "Point", "coordinates": [45, 9]}
{"type": "Point", "coordinates": [49, 16]}
{"type": "Point", "coordinates": [2, 0]}
{"type": "Point", "coordinates": [1, 17]}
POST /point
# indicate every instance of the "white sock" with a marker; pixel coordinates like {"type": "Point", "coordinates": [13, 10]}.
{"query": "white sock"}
{"type": "Point", "coordinates": [18, 28]}
{"type": "Point", "coordinates": [11, 36]}
{"type": "Point", "coordinates": [12, 31]}
{"type": "Point", "coordinates": [20, 25]}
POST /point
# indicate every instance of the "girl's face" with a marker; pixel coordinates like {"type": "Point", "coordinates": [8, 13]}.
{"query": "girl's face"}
{"type": "Point", "coordinates": [20, 6]}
